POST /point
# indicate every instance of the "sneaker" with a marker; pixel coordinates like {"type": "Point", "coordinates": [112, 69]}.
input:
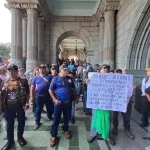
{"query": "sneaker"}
{"type": "Point", "coordinates": [73, 120]}
{"type": "Point", "coordinates": [67, 135]}
{"type": "Point", "coordinates": [91, 139]}
{"type": "Point", "coordinates": [51, 118]}
{"type": "Point", "coordinates": [111, 141]}
{"type": "Point", "coordinates": [114, 131]}
{"type": "Point", "coordinates": [144, 124]}
{"type": "Point", "coordinates": [36, 126]}
{"type": "Point", "coordinates": [130, 134]}
{"type": "Point", "coordinates": [8, 146]}
{"type": "Point", "coordinates": [52, 142]}
{"type": "Point", "coordinates": [22, 141]}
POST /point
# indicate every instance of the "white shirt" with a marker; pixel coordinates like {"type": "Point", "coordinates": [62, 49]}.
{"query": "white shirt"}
{"type": "Point", "coordinates": [145, 86]}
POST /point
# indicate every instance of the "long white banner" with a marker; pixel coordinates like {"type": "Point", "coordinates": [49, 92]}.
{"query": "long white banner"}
{"type": "Point", "coordinates": [109, 91]}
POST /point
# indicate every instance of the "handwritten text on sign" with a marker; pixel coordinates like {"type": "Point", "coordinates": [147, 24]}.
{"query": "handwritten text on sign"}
{"type": "Point", "coordinates": [109, 91]}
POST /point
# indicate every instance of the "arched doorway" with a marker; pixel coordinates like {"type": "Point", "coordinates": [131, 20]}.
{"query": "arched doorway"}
{"type": "Point", "coordinates": [73, 48]}
{"type": "Point", "coordinates": [66, 31]}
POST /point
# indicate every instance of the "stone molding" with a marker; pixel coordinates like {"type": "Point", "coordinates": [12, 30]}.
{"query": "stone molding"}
{"type": "Point", "coordinates": [41, 19]}
{"type": "Point", "coordinates": [12, 6]}
{"type": "Point", "coordinates": [111, 8]}
{"type": "Point", "coordinates": [106, 5]}
{"type": "Point", "coordinates": [29, 6]}
{"type": "Point", "coordinates": [21, 6]}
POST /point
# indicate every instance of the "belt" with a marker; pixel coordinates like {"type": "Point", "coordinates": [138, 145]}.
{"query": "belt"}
{"type": "Point", "coordinates": [65, 102]}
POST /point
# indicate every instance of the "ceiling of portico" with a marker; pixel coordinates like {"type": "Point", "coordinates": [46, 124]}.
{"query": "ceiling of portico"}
{"type": "Point", "coordinates": [70, 43]}
{"type": "Point", "coordinates": [73, 7]}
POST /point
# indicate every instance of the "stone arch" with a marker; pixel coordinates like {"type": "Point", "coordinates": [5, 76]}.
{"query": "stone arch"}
{"type": "Point", "coordinates": [71, 30]}
{"type": "Point", "coordinates": [133, 50]}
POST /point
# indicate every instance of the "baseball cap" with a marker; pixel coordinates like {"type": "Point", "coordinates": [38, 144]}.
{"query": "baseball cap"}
{"type": "Point", "coordinates": [13, 67]}
{"type": "Point", "coordinates": [21, 69]}
{"type": "Point", "coordinates": [64, 67]}
{"type": "Point", "coordinates": [53, 68]}
{"type": "Point", "coordinates": [70, 72]}
{"type": "Point", "coordinates": [42, 66]}
{"type": "Point", "coordinates": [105, 66]}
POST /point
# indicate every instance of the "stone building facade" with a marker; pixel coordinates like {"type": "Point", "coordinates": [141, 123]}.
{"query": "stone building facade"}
{"type": "Point", "coordinates": [118, 33]}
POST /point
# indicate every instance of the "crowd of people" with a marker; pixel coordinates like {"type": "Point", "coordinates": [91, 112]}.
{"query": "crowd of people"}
{"type": "Point", "coordinates": [57, 87]}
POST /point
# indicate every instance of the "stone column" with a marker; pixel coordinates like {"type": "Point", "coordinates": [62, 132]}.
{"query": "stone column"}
{"type": "Point", "coordinates": [16, 37]}
{"type": "Point", "coordinates": [41, 40]}
{"type": "Point", "coordinates": [101, 40]}
{"type": "Point", "coordinates": [24, 35]}
{"type": "Point", "coordinates": [108, 53]}
{"type": "Point", "coordinates": [32, 46]}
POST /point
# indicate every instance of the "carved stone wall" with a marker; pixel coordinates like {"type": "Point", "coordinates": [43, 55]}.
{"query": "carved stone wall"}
{"type": "Point", "coordinates": [141, 44]}
{"type": "Point", "coordinates": [128, 20]}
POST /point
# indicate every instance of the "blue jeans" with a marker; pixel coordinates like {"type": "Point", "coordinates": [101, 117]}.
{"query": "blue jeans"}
{"type": "Point", "coordinates": [58, 109]}
{"type": "Point", "coordinates": [40, 101]}
{"type": "Point", "coordinates": [10, 116]}
{"type": "Point", "coordinates": [73, 109]}
{"type": "Point", "coordinates": [86, 110]}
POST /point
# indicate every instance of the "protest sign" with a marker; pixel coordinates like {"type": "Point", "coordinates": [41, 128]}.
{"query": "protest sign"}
{"type": "Point", "coordinates": [109, 91]}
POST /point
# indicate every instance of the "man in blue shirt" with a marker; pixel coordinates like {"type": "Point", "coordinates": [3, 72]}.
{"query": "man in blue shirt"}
{"type": "Point", "coordinates": [39, 86]}
{"type": "Point", "coordinates": [61, 92]}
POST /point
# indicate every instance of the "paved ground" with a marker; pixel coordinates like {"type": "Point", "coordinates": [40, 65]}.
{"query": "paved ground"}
{"type": "Point", "coordinates": [39, 140]}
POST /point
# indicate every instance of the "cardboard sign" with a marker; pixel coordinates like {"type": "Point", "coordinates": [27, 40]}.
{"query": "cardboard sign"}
{"type": "Point", "coordinates": [109, 91]}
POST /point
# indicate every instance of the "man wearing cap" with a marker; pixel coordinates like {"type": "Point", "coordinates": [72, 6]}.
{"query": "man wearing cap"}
{"type": "Point", "coordinates": [54, 71]}
{"type": "Point", "coordinates": [86, 110]}
{"type": "Point", "coordinates": [39, 86]}
{"type": "Point", "coordinates": [126, 117]}
{"type": "Point", "coordinates": [93, 133]}
{"type": "Point", "coordinates": [145, 101]}
{"type": "Point", "coordinates": [61, 92]}
{"type": "Point", "coordinates": [15, 103]}
{"type": "Point", "coordinates": [22, 72]}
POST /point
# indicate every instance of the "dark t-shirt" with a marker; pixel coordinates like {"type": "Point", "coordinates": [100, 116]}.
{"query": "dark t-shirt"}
{"type": "Point", "coordinates": [42, 86]}
{"type": "Point", "coordinates": [62, 86]}
{"type": "Point", "coordinates": [17, 91]}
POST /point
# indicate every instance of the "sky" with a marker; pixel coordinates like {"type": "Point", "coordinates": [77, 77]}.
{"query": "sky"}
{"type": "Point", "coordinates": [5, 23]}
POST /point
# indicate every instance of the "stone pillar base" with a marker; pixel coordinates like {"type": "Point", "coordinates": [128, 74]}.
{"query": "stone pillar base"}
{"type": "Point", "coordinates": [31, 64]}
{"type": "Point", "coordinates": [17, 62]}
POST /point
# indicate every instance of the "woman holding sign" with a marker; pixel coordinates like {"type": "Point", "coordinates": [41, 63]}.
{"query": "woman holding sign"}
{"type": "Point", "coordinates": [101, 119]}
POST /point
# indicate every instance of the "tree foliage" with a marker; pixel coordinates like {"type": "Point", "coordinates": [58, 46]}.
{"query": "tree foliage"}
{"type": "Point", "coordinates": [5, 50]}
